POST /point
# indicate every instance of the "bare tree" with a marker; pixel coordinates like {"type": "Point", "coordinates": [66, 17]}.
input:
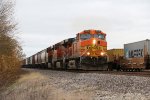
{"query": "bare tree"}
{"type": "Point", "coordinates": [10, 49]}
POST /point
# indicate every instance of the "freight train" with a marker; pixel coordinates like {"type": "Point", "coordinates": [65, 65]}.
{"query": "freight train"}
{"type": "Point", "coordinates": [134, 57]}
{"type": "Point", "coordinates": [113, 57]}
{"type": "Point", "coordinates": [87, 51]}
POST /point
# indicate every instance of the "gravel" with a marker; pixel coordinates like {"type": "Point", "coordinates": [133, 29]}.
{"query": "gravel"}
{"type": "Point", "coordinates": [61, 85]}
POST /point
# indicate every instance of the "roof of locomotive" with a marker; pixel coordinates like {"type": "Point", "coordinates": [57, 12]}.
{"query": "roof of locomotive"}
{"type": "Point", "coordinates": [92, 32]}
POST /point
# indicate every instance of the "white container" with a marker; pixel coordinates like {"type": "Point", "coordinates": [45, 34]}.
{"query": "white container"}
{"type": "Point", "coordinates": [137, 49]}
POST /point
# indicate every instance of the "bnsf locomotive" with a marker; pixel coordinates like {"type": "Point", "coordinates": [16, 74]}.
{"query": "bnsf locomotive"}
{"type": "Point", "coordinates": [86, 51]}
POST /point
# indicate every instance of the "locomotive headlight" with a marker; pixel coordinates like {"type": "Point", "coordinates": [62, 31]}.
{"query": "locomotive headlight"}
{"type": "Point", "coordinates": [88, 53]}
{"type": "Point", "coordinates": [102, 53]}
{"type": "Point", "coordinates": [94, 41]}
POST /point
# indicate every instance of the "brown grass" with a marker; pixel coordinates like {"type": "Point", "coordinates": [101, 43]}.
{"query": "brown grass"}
{"type": "Point", "coordinates": [7, 78]}
{"type": "Point", "coordinates": [9, 70]}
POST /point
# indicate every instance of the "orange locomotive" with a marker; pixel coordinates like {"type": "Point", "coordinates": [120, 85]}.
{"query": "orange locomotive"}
{"type": "Point", "coordinates": [92, 50]}
{"type": "Point", "coordinates": [86, 51]}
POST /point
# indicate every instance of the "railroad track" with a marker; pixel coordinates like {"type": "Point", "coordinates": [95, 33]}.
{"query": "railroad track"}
{"type": "Point", "coordinates": [143, 73]}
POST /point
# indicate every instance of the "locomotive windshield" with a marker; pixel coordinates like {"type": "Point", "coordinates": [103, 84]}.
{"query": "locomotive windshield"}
{"type": "Point", "coordinates": [100, 36]}
{"type": "Point", "coordinates": [85, 36]}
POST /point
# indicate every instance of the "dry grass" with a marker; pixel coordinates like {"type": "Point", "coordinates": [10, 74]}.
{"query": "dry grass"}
{"type": "Point", "coordinates": [36, 86]}
{"type": "Point", "coordinates": [7, 78]}
{"type": "Point", "coordinates": [9, 70]}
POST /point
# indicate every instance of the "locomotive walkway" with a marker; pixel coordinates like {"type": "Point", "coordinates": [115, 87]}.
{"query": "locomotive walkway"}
{"type": "Point", "coordinates": [60, 85]}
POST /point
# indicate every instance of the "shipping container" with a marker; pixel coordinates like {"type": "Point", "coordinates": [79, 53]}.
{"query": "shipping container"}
{"type": "Point", "coordinates": [138, 49]}
{"type": "Point", "coordinates": [113, 58]}
{"type": "Point", "coordinates": [114, 54]}
{"type": "Point", "coordinates": [137, 55]}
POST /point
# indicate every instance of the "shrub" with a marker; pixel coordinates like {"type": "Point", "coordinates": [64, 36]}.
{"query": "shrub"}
{"type": "Point", "coordinates": [10, 49]}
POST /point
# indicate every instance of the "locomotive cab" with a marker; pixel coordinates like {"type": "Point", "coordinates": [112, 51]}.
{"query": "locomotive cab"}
{"type": "Point", "coordinates": [92, 43]}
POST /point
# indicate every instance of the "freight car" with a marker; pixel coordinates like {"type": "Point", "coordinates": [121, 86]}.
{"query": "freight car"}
{"type": "Point", "coordinates": [86, 51]}
{"type": "Point", "coordinates": [136, 56]}
{"type": "Point", "coordinates": [114, 56]}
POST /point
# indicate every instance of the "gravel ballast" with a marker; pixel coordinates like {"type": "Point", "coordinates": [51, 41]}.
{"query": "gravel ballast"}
{"type": "Point", "coordinates": [61, 85]}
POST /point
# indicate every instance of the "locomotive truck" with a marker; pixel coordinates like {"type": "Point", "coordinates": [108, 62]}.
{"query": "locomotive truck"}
{"type": "Point", "coordinates": [86, 51]}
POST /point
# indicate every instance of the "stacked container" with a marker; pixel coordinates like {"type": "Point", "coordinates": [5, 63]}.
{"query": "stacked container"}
{"type": "Point", "coordinates": [137, 54]}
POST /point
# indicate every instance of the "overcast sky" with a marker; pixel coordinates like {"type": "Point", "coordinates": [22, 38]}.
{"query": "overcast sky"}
{"type": "Point", "coordinates": [42, 23]}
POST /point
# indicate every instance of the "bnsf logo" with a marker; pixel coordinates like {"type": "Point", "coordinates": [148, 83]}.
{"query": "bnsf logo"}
{"type": "Point", "coordinates": [96, 47]}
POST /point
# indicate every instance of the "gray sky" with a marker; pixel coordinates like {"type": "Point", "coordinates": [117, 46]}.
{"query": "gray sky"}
{"type": "Point", "coordinates": [42, 23]}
